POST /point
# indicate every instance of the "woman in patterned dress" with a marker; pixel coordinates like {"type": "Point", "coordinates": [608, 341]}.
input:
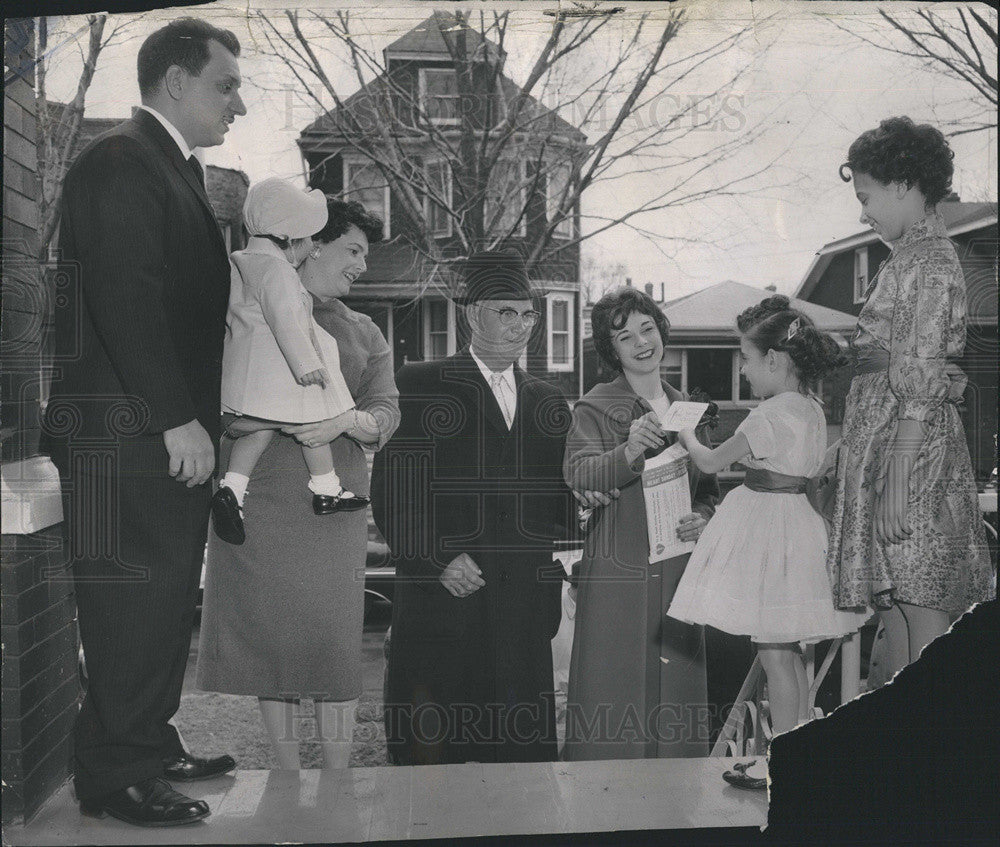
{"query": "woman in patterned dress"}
{"type": "Point", "coordinates": [907, 535]}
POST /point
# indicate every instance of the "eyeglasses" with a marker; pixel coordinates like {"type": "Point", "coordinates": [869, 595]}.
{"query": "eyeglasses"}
{"type": "Point", "coordinates": [509, 316]}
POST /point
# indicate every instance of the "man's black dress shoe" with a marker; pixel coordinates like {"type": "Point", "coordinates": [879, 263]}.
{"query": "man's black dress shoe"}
{"type": "Point", "coordinates": [324, 504]}
{"type": "Point", "coordinates": [188, 768]}
{"type": "Point", "coordinates": [151, 802]}
{"type": "Point", "coordinates": [227, 516]}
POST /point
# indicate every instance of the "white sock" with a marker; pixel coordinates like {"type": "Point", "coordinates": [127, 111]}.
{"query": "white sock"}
{"type": "Point", "coordinates": [237, 483]}
{"type": "Point", "coordinates": [327, 484]}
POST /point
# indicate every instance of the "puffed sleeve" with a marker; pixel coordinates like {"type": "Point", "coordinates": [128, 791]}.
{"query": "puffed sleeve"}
{"type": "Point", "coordinates": [759, 432]}
{"type": "Point", "coordinates": [377, 392]}
{"type": "Point", "coordinates": [288, 316]}
{"type": "Point", "coordinates": [929, 316]}
{"type": "Point", "coordinates": [589, 465]}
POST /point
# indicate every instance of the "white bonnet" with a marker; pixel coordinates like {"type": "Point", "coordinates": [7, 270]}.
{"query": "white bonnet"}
{"type": "Point", "coordinates": [276, 207]}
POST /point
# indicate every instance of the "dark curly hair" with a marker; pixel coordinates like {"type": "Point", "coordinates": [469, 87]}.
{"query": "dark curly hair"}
{"type": "Point", "coordinates": [182, 42]}
{"type": "Point", "coordinates": [813, 353]}
{"type": "Point", "coordinates": [343, 214]}
{"type": "Point", "coordinates": [902, 151]}
{"type": "Point", "coordinates": [610, 314]}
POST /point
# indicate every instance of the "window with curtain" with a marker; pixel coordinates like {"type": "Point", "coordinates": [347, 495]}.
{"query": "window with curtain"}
{"type": "Point", "coordinates": [364, 183]}
{"type": "Point", "coordinates": [439, 181]}
{"type": "Point", "coordinates": [556, 186]}
{"type": "Point", "coordinates": [504, 199]}
{"type": "Point", "coordinates": [438, 333]}
{"type": "Point", "coordinates": [560, 332]}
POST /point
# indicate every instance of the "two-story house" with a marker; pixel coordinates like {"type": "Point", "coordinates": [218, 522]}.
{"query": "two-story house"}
{"type": "Point", "coordinates": [479, 167]}
{"type": "Point", "coordinates": [842, 269]}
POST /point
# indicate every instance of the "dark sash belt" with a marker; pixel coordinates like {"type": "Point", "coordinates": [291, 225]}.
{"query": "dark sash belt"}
{"type": "Point", "coordinates": [761, 479]}
{"type": "Point", "coordinates": [871, 361]}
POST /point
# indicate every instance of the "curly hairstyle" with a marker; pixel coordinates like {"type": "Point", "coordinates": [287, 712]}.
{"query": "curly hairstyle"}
{"type": "Point", "coordinates": [343, 214]}
{"type": "Point", "coordinates": [182, 42]}
{"type": "Point", "coordinates": [902, 151]}
{"type": "Point", "coordinates": [813, 353]}
{"type": "Point", "coordinates": [610, 314]}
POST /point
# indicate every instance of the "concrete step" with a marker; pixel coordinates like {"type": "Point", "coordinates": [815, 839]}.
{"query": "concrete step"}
{"type": "Point", "coordinates": [447, 801]}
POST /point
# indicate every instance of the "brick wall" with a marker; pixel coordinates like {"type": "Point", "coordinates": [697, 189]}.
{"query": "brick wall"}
{"type": "Point", "coordinates": [40, 683]}
{"type": "Point", "coordinates": [23, 296]}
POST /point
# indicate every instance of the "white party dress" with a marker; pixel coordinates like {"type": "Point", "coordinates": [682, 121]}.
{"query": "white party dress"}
{"type": "Point", "coordinates": [759, 568]}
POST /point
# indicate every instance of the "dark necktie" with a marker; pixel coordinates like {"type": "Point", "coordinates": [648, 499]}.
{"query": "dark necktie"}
{"type": "Point", "coordinates": [198, 172]}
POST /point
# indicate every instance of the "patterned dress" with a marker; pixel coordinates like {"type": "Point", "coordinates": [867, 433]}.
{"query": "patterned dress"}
{"type": "Point", "coordinates": [915, 311]}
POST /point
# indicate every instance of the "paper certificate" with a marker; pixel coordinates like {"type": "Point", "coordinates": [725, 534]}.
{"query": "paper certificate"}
{"type": "Point", "coordinates": [682, 415]}
{"type": "Point", "coordinates": [667, 492]}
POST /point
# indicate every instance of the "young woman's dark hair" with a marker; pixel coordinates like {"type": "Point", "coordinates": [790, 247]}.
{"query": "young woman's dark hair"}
{"type": "Point", "coordinates": [345, 214]}
{"type": "Point", "coordinates": [183, 42]}
{"type": "Point", "coordinates": [901, 151]}
{"type": "Point", "coordinates": [610, 314]}
{"type": "Point", "coordinates": [813, 353]}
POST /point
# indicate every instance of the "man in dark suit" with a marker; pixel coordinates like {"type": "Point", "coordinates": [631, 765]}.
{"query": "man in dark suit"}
{"type": "Point", "coordinates": [133, 418]}
{"type": "Point", "coordinates": [469, 495]}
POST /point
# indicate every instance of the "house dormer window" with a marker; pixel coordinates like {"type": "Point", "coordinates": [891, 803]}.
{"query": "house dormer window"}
{"type": "Point", "coordinates": [439, 95]}
{"type": "Point", "coordinates": [860, 274]}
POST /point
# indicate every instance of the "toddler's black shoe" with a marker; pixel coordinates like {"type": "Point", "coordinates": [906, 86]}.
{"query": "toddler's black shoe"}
{"type": "Point", "coordinates": [325, 504]}
{"type": "Point", "coordinates": [227, 516]}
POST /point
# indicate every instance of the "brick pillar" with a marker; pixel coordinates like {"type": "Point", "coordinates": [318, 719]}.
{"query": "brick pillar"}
{"type": "Point", "coordinates": [40, 681]}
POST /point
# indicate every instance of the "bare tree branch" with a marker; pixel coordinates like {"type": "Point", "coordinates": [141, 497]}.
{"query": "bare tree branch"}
{"type": "Point", "coordinates": [946, 44]}
{"type": "Point", "coordinates": [57, 135]}
{"type": "Point", "coordinates": [518, 144]}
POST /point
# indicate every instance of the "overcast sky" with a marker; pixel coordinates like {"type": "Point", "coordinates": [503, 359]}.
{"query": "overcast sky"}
{"type": "Point", "coordinates": [811, 87]}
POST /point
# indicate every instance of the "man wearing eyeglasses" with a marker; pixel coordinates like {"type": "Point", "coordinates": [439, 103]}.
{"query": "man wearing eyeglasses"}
{"type": "Point", "coordinates": [469, 495]}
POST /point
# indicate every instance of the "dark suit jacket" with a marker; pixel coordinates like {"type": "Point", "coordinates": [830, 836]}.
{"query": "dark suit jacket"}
{"type": "Point", "coordinates": [453, 479]}
{"type": "Point", "coordinates": [146, 282]}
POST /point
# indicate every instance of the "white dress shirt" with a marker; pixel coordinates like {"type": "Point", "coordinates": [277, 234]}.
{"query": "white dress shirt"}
{"type": "Point", "coordinates": [503, 386]}
{"type": "Point", "coordinates": [186, 151]}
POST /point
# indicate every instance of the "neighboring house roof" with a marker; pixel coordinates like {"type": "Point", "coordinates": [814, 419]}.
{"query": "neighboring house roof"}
{"type": "Point", "coordinates": [713, 311]}
{"type": "Point", "coordinates": [426, 38]}
{"type": "Point", "coordinates": [227, 192]}
{"type": "Point", "coordinates": [90, 128]}
{"type": "Point", "coordinates": [958, 218]}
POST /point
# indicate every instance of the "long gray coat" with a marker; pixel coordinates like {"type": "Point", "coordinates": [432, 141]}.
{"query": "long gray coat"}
{"type": "Point", "coordinates": [637, 682]}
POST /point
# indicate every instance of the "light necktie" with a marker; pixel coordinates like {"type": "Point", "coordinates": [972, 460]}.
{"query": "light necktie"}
{"type": "Point", "coordinates": [498, 384]}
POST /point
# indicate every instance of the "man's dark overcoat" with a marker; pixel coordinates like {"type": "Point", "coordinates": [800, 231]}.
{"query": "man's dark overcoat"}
{"type": "Point", "coordinates": [470, 679]}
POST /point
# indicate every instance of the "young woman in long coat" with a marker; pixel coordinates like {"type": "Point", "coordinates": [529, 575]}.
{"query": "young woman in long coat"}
{"type": "Point", "coordinates": [637, 684]}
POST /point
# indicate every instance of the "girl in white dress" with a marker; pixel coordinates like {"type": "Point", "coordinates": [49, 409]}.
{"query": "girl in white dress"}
{"type": "Point", "coordinates": [279, 365]}
{"type": "Point", "coordinates": [759, 568]}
